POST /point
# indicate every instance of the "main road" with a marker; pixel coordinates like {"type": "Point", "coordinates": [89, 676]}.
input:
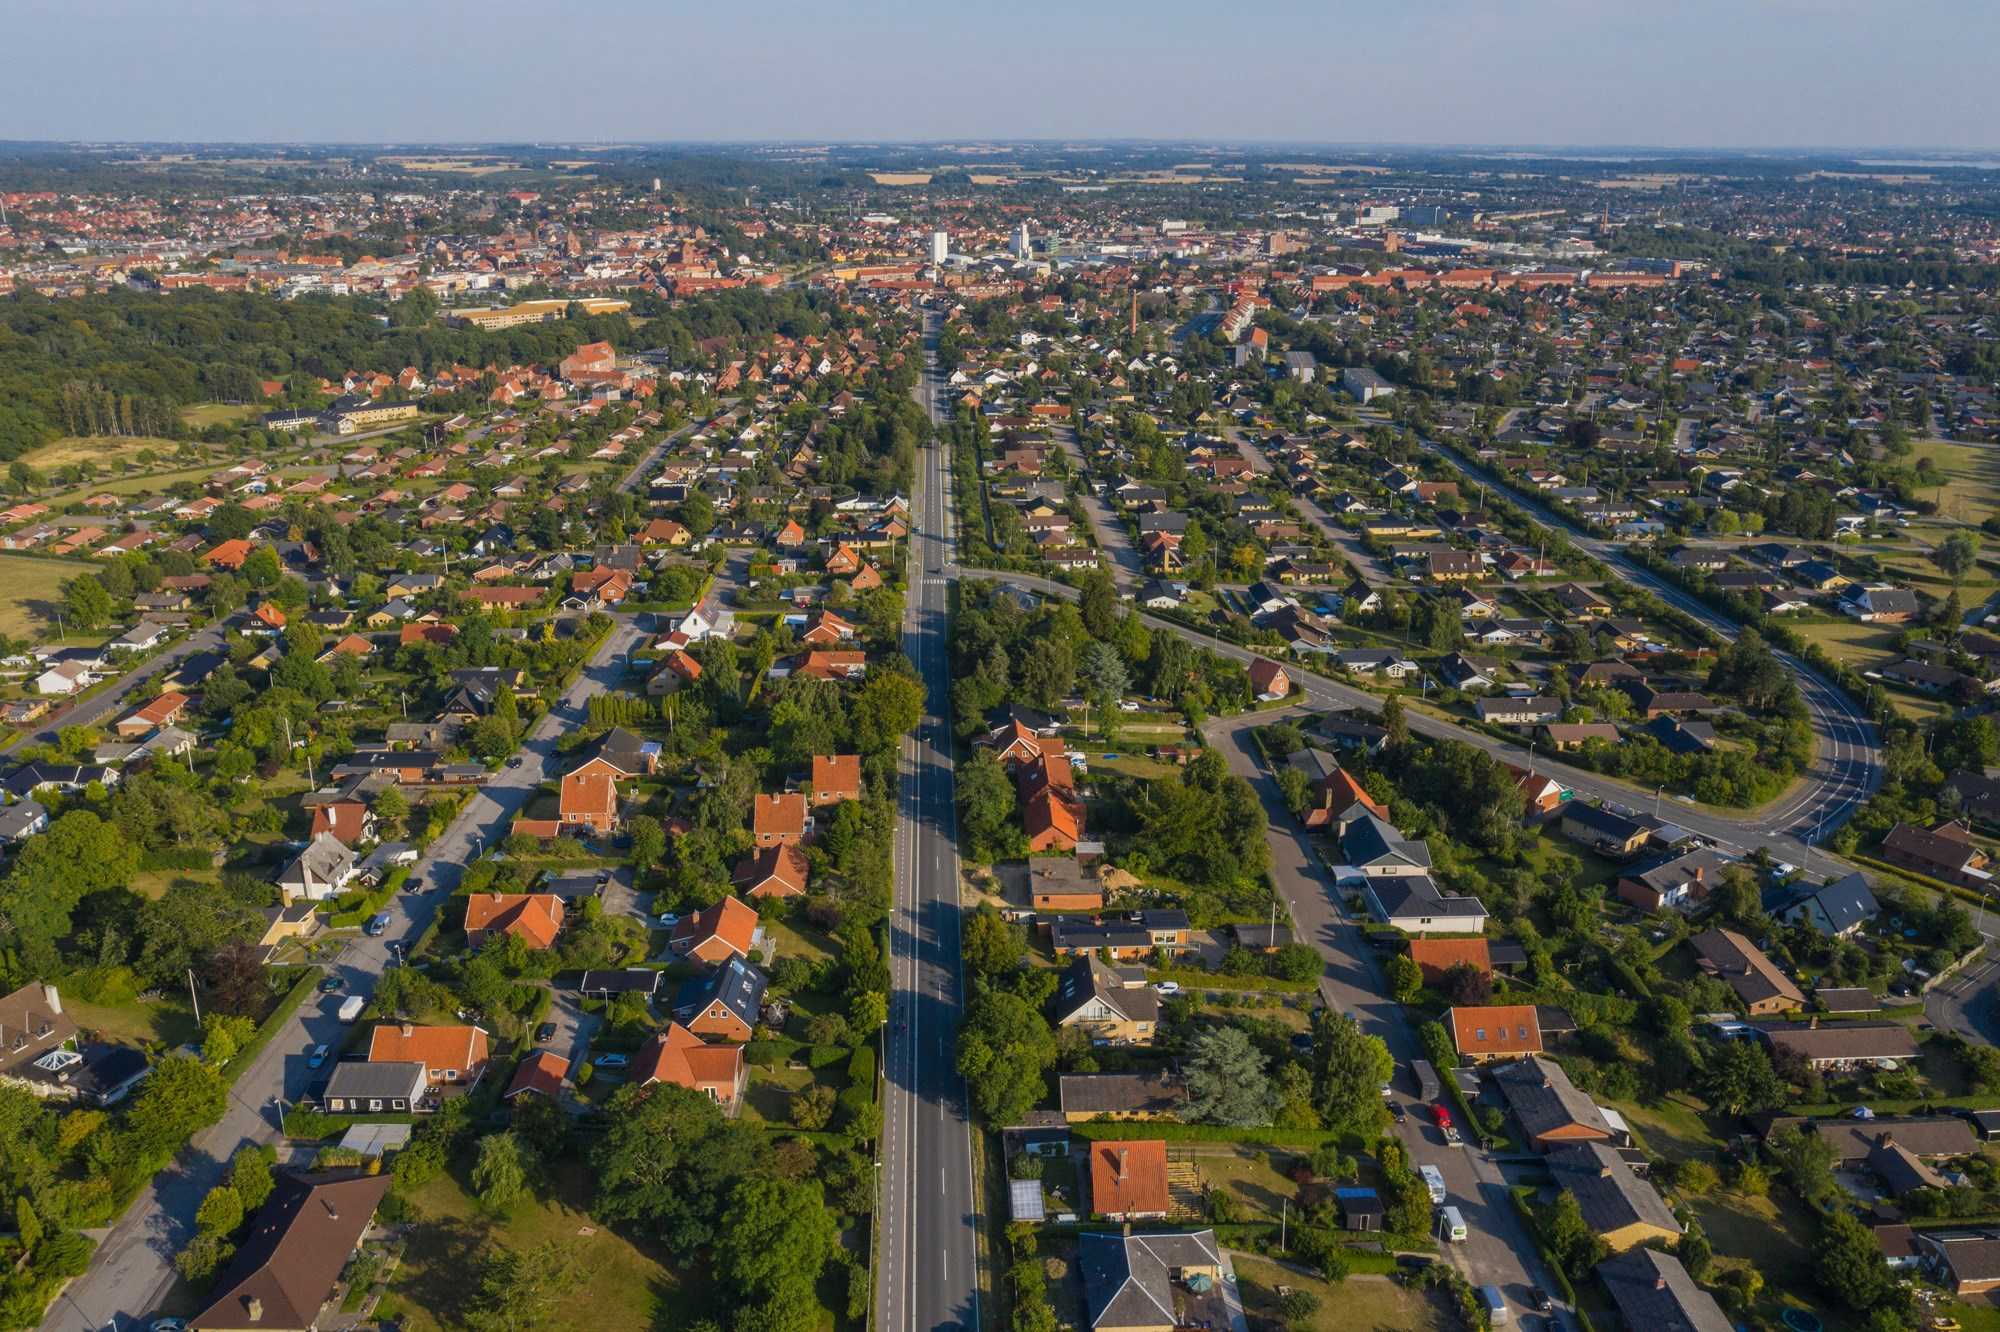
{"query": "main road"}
{"type": "Point", "coordinates": [927, 1245]}
{"type": "Point", "coordinates": [132, 1270]}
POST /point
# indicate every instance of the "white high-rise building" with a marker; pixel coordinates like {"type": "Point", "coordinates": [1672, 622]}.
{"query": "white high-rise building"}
{"type": "Point", "coordinates": [1019, 245]}
{"type": "Point", "coordinates": [940, 247]}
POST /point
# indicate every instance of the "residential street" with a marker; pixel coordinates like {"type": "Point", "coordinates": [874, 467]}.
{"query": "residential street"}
{"type": "Point", "coordinates": [126, 692]}
{"type": "Point", "coordinates": [1373, 572]}
{"type": "Point", "coordinates": [1128, 571]}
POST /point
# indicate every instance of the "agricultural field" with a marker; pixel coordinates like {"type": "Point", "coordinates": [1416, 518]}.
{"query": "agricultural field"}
{"type": "Point", "coordinates": [30, 589]}
{"type": "Point", "coordinates": [106, 451]}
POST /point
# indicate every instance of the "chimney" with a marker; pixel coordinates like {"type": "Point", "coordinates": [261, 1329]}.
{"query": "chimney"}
{"type": "Point", "coordinates": [255, 1309]}
{"type": "Point", "coordinates": [1659, 1283]}
{"type": "Point", "coordinates": [408, 1031]}
{"type": "Point", "coordinates": [51, 998]}
{"type": "Point", "coordinates": [1700, 873]}
{"type": "Point", "coordinates": [1122, 1154]}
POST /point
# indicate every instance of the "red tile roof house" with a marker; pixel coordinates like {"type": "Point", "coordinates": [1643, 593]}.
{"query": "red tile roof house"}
{"type": "Point", "coordinates": [448, 1054]}
{"type": "Point", "coordinates": [776, 871]}
{"type": "Point", "coordinates": [716, 934]}
{"type": "Point", "coordinates": [682, 1059]}
{"type": "Point", "coordinates": [1944, 852]}
{"type": "Point", "coordinates": [535, 918]}
{"type": "Point", "coordinates": [1437, 956]}
{"type": "Point", "coordinates": [349, 820]}
{"type": "Point", "coordinates": [835, 777]}
{"type": "Point", "coordinates": [544, 1073]}
{"type": "Point", "coordinates": [588, 800]}
{"type": "Point", "coordinates": [143, 721]}
{"type": "Point", "coordinates": [1128, 1180]}
{"type": "Point", "coordinates": [1503, 1031]}
{"type": "Point", "coordinates": [780, 820]}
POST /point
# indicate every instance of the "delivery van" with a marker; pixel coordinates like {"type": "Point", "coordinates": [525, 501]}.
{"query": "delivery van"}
{"type": "Point", "coordinates": [1451, 1225]}
{"type": "Point", "coordinates": [1494, 1303]}
{"type": "Point", "coordinates": [350, 1008]}
{"type": "Point", "coordinates": [1434, 1181]}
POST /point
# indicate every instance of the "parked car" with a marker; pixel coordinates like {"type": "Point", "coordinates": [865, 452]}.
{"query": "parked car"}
{"type": "Point", "coordinates": [320, 1054]}
{"type": "Point", "coordinates": [1539, 1301]}
{"type": "Point", "coordinates": [545, 1033]}
{"type": "Point", "coordinates": [612, 1060]}
{"type": "Point", "coordinates": [332, 985]}
{"type": "Point", "coordinates": [1168, 987]}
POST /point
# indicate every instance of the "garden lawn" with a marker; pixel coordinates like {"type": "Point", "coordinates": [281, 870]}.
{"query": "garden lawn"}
{"type": "Point", "coordinates": [1252, 1175]}
{"type": "Point", "coordinates": [1359, 1304]}
{"type": "Point", "coordinates": [166, 1022]}
{"type": "Point", "coordinates": [629, 1289]}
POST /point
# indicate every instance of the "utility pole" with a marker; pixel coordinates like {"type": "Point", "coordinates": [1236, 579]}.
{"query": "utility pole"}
{"type": "Point", "coordinates": [194, 998]}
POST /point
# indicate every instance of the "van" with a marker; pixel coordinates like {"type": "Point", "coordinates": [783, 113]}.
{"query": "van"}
{"type": "Point", "coordinates": [1494, 1303]}
{"type": "Point", "coordinates": [1434, 1181]}
{"type": "Point", "coordinates": [350, 1007]}
{"type": "Point", "coordinates": [1451, 1225]}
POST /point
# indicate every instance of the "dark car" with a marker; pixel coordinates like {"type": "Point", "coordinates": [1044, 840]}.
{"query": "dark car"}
{"type": "Point", "coordinates": [1539, 1301]}
{"type": "Point", "coordinates": [545, 1033]}
{"type": "Point", "coordinates": [1397, 1113]}
{"type": "Point", "coordinates": [1414, 1262]}
{"type": "Point", "coordinates": [331, 985]}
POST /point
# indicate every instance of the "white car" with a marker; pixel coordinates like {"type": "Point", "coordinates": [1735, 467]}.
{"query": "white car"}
{"type": "Point", "coordinates": [1167, 987]}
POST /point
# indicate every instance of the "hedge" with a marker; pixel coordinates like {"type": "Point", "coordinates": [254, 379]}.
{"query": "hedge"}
{"type": "Point", "coordinates": [177, 860]}
{"type": "Point", "coordinates": [267, 1031]}
{"type": "Point", "coordinates": [1192, 978]}
{"type": "Point", "coordinates": [1125, 1130]}
{"type": "Point", "coordinates": [861, 1069]}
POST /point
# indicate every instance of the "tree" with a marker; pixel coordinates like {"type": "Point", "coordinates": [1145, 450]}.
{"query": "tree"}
{"type": "Point", "coordinates": [182, 1096]}
{"type": "Point", "coordinates": [504, 1169]}
{"type": "Point", "coordinates": [1806, 1160]}
{"type": "Point", "coordinates": [1406, 978]}
{"type": "Point", "coordinates": [1575, 1247]}
{"type": "Point", "coordinates": [778, 1238]}
{"type": "Point", "coordinates": [1740, 1080]}
{"type": "Point", "coordinates": [812, 1108]}
{"type": "Point", "coordinates": [221, 1211]}
{"type": "Point", "coordinates": [1466, 985]}
{"type": "Point", "coordinates": [1848, 1263]}
{"type": "Point", "coordinates": [1297, 1307]}
{"type": "Point", "coordinates": [1395, 723]}
{"type": "Point", "coordinates": [1350, 1069]}
{"type": "Point", "coordinates": [668, 1161]}
{"type": "Point", "coordinates": [992, 945]}
{"type": "Point", "coordinates": [1005, 1049]}
{"type": "Point", "coordinates": [986, 807]}
{"type": "Point", "coordinates": [86, 605]}
{"type": "Point", "coordinates": [250, 1176]}
{"type": "Point", "coordinates": [1226, 1080]}
{"type": "Point", "coordinates": [1957, 555]}
{"type": "Point", "coordinates": [649, 842]}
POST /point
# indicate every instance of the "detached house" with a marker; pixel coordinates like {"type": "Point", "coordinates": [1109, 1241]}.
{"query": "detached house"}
{"type": "Point", "coordinates": [448, 1054]}
{"type": "Point", "coordinates": [716, 934]}
{"type": "Point", "coordinates": [1945, 852]}
{"type": "Point", "coordinates": [680, 1058]}
{"type": "Point", "coordinates": [1116, 1007]}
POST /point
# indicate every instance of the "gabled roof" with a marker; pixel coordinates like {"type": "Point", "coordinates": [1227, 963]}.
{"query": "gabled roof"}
{"type": "Point", "coordinates": [1545, 1100]}
{"type": "Point", "coordinates": [1086, 979]}
{"type": "Point", "coordinates": [1128, 1279]}
{"type": "Point", "coordinates": [542, 1073]}
{"type": "Point", "coordinates": [535, 917]}
{"type": "Point", "coordinates": [1499, 1029]}
{"type": "Point", "coordinates": [779, 815]}
{"type": "Point", "coordinates": [1610, 1193]}
{"type": "Point", "coordinates": [677, 1056]}
{"type": "Point", "coordinates": [1655, 1293]}
{"type": "Point", "coordinates": [301, 1239]}
{"type": "Point", "coordinates": [435, 1047]}
{"type": "Point", "coordinates": [1129, 1177]}
{"type": "Point", "coordinates": [728, 920]}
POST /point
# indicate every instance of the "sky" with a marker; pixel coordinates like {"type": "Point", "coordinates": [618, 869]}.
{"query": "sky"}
{"type": "Point", "coordinates": [1666, 73]}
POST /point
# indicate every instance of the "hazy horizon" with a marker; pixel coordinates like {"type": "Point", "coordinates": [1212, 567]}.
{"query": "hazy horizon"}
{"type": "Point", "coordinates": [1708, 75]}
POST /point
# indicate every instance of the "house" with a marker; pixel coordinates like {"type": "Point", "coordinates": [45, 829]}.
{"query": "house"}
{"type": "Point", "coordinates": [1059, 883]}
{"type": "Point", "coordinates": [1050, 812]}
{"type": "Point", "coordinates": [22, 820]}
{"type": "Point", "coordinates": [1602, 831]}
{"type": "Point", "coordinates": [774, 871]}
{"type": "Point", "coordinates": [1759, 984]}
{"type": "Point", "coordinates": [1339, 799]}
{"type": "Point", "coordinates": [716, 934]}
{"type": "Point", "coordinates": [781, 819]}
{"type": "Point", "coordinates": [1415, 903]}
{"type": "Point", "coordinates": [32, 1025]}
{"type": "Point", "coordinates": [1123, 941]}
{"type": "Point", "coordinates": [1964, 1258]}
{"type": "Point", "coordinates": [455, 1054]}
{"type": "Point", "coordinates": [587, 802]}
{"type": "Point", "coordinates": [1128, 1180]}
{"type": "Point", "coordinates": [534, 918]}
{"type": "Point", "coordinates": [1153, 1095]}
{"type": "Point", "coordinates": [725, 1003]}
{"type": "Point", "coordinates": [1116, 1007]}
{"type": "Point", "coordinates": [621, 755]}
{"type": "Point", "coordinates": [1268, 679]}
{"type": "Point", "coordinates": [1549, 1107]}
{"type": "Point", "coordinates": [835, 777]}
{"type": "Point", "coordinates": [1678, 882]}
{"type": "Point", "coordinates": [1503, 1031]}
{"type": "Point", "coordinates": [1654, 1292]}
{"type": "Point", "coordinates": [1622, 1208]}
{"type": "Point", "coordinates": [147, 718]}
{"type": "Point", "coordinates": [1842, 1045]}
{"type": "Point", "coordinates": [1434, 957]}
{"type": "Point", "coordinates": [1837, 909]}
{"type": "Point", "coordinates": [1944, 851]}
{"type": "Point", "coordinates": [544, 1073]}
{"type": "Point", "coordinates": [392, 1086]}
{"type": "Point", "coordinates": [679, 1058]}
{"type": "Point", "coordinates": [65, 677]}
{"type": "Point", "coordinates": [1378, 849]}
{"type": "Point", "coordinates": [1877, 604]}
{"type": "Point", "coordinates": [320, 871]}
{"type": "Point", "coordinates": [349, 820]}
{"type": "Point", "coordinates": [1129, 1279]}
{"type": "Point", "coordinates": [1517, 711]}
{"type": "Point", "coordinates": [285, 1271]}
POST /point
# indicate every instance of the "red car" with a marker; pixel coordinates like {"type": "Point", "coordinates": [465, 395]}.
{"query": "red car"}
{"type": "Point", "coordinates": [1443, 1115]}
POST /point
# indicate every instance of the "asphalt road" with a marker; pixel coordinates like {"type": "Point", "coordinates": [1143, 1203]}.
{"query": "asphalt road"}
{"type": "Point", "coordinates": [1849, 768]}
{"type": "Point", "coordinates": [927, 1248]}
{"type": "Point", "coordinates": [1128, 570]}
{"type": "Point", "coordinates": [1498, 1251]}
{"type": "Point", "coordinates": [1371, 569]}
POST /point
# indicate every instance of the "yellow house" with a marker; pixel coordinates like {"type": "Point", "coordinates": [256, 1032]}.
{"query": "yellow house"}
{"type": "Point", "coordinates": [1616, 1203]}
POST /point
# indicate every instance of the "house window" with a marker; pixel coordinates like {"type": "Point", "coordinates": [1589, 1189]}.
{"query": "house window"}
{"type": "Point", "coordinates": [374, 1103]}
{"type": "Point", "coordinates": [451, 1075]}
{"type": "Point", "coordinates": [1479, 1033]}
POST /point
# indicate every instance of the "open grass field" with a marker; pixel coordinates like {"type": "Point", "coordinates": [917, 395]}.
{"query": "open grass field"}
{"type": "Point", "coordinates": [104, 450]}
{"type": "Point", "coordinates": [30, 589]}
{"type": "Point", "coordinates": [1359, 1304]}
{"type": "Point", "coordinates": [1972, 489]}
{"type": "Point", "coordinates": [205, 414]}
{"type": "Point", "coordinates": [630, 1289]}
{"type": "Point", "coordinates": [1253, 1176]}
{"type": "Point", "coordinates": [169, 1022]}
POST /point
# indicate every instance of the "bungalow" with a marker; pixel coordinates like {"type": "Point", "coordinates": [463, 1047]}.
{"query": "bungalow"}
{"type": "Point", "coordinates": [1964, 1258]}
{"type": "Point", "coordinates": [1414, 903]}
{"type": "Point", "coordinates": [1059, 883]}
{"type": "Point", "coordinates": [1157, 1094]}
{"type": "Point", "coordinates": [449, 1054]}
{"type": "Point", "coordinates": [1602, 831]}
{"type": "Point", "coordinates": [287, 1270]}
{"type": "Point", "coordinates": [1551, 1110]}
{"type": "Point", "coordinates": [1517, 711]}
{"type": "Point", "coordinates": [1842, 1045]}
{"type": "Point", "coordinates": [147, 718]}
{"type": "Point", "coordinates": [725, 1003]}
{"type": "Point", "coordinates": [534, 918]}
{"type": "Point", "coordinates": [1759, 984]}
{"type": "Point", "coordinates": [717, 933]}
{"type": "Point", "coordinates": [1653, 1290]}
{"type": "Point", "coordinates": [357, 1088]}
{"type": "Point", "coordinates": [1562, 736]}
{"type": "Point", "coordinates": [1130, 1281]}
{"type": "Point", "coordinates": [1944, 851]}
{"type": "Point", "coordinates": [1128, 1180]}
{"type": "Point", "coordinates": [1679, 882]}
{"type": "Point", "coordinates": [1123, 941]}
{"type": "Point", "coordinates": [1879, 604]}
{"type": "Point", "coordinates": [1618, 1205]}
{"type": "Point", "coordinates": [1434, 957]}
{"type": "Point", "coordinates": [1836, 909]}
{"type": "Point", "coordinates": [1506, 1031]}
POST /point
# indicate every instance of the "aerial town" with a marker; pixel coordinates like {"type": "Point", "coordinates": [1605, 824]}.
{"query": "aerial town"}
{"type": "Point", "coordinates": [1007, 737]}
